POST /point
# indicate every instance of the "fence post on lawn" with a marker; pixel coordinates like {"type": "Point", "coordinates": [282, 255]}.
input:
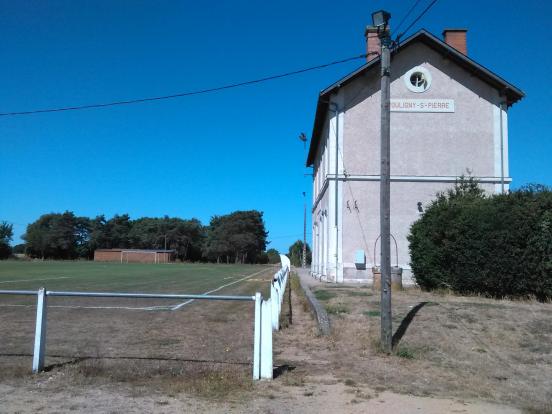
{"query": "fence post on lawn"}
{"type": "Point", "coordinates": [275, 315]}
{"type": "Point", "coordinates": [40, 332]}
{"type": "Point", "coordinates": [257, 338]}
{"type": "Point", "coordinates": [266, 340]}
{"type": "Point", "coordinates": [281, 289]}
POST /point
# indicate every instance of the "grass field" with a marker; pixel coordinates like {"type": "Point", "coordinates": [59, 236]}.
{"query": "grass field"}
{"type": "Point", "coordinates": [146, 332]}
{"type": "Point", "coordinates": [117, 277]}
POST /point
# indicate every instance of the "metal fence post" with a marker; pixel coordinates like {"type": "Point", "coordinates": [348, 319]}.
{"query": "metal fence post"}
{"type": "Point", "coordinates": [40, 332]}
{"type": "Point", "coordinates": [257, 338]}
{"type": "Point", "coordinates": [266, 340]}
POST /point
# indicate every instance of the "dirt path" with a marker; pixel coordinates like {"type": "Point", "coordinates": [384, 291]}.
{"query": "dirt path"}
{"type": "Point", "coordinates": [313, 398]}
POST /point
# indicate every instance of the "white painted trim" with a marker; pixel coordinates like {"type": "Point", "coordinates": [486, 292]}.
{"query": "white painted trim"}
{"type": "Point", "coordinates": [497, 146]}
{"type": "Point", "coordinates": [325, 245]}
{"type": "Point", "coordinates": [418, 178]}
{"type": "Point", "coordinates": [341, 171]}
{"type": "Point", "coordinates": [339, 258]}
{"type": "Point", "coordinates": [500, 141]}
{"type": "Point", "coordinates": [505, 147]}
{"type": "Point", "coordinates": [425, 72]}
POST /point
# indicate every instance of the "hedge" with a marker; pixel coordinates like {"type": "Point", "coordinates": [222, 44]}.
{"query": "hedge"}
{"type": "Point", "coordinates": [498, 246]}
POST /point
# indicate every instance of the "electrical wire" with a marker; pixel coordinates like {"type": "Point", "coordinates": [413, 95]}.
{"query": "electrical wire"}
{"type": "Point", "coordinates": [182, 94]}
{"type": "Point", "coordinates": [415, 20]}
{"type": "Point", "coordinates": [408, 14]}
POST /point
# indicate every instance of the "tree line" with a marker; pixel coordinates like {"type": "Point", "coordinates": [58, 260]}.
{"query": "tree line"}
{"type": "Point", "coordinates": [6, 234]}
{"type": "Point", "coordinates": [238, 237]}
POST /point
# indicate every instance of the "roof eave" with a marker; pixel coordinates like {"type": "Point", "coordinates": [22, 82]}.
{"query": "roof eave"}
{"type": "Point", "coordinates": [511, 92]}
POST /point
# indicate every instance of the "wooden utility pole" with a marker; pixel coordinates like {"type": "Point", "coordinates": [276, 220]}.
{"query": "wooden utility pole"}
{"type": "Point", "coordinates": [385, 193]}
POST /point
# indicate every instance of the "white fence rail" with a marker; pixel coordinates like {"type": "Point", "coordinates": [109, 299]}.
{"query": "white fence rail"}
{"type": "Point", "coordinates": [277, 291]}
{"type": "Point", "coordinates": [267, 316]}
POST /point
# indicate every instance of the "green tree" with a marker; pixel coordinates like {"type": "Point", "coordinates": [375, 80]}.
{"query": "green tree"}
{"type": "Point", "coordinates": [58, 236]}
{"type": "Point", "coordinates": [239, 236]}
{"type": "Point", "coordinates": [273, 256]}
{"type": "Point", "coordinates": [295, 253]}
{"type": "Point", "coordinates": [117, 231]}
{"type": "Point", "coordinates": [183, 236]}
{"type": "Point", "coordinates": [99, 237]}
{"type": "Point", "coordinates": [217, 246]}
{"type": "Point", "coordinates": [6, 235]}
{"type": "Point", "coordinates": [19, 248]}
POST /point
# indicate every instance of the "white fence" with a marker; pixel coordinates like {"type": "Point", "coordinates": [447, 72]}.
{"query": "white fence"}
{"type": "Point", "coordinates": [267, 319]}
{"type": "Point", "coordinates": [277, 291]}
{"type": "Point", "coordinates": [267, 316]}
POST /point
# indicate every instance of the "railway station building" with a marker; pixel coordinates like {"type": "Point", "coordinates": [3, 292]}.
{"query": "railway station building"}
{"type": "Point", "coordinates": [449, 117]}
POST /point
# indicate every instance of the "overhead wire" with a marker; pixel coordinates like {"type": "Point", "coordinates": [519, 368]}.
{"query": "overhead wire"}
{"type": "Point", "coordinates": [218, 88]}
{"type": "Point", "coordinates": [181, 94]}
{"type": "Point", "coordinates": [407, 14]}
{"type": "Point", "coordinates": [430, 5]}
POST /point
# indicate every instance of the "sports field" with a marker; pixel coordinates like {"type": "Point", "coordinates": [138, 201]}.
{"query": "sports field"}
{"type": "Point", "coordinates": [138, 330]}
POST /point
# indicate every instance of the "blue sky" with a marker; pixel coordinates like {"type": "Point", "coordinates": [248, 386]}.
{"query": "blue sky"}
{"type": "Point", "coordinates": [238, 149]}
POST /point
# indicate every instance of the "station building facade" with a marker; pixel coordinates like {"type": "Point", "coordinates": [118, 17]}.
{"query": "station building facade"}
{"type": "Point", "coordinates": [449, 117]}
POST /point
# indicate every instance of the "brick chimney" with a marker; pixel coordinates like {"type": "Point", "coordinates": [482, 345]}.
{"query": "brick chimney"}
{"type": "Point", "coordinates": [456, 38]}
{"type": "Point", "coordinates": [372, 42]}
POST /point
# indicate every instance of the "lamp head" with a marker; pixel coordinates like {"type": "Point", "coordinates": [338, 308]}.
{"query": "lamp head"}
{"type": "Point", "coordinates": [380, 19]}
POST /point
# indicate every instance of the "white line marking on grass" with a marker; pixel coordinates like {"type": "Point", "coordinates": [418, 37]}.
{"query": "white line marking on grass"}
{"type": "Point", "coordinates": [32, 280]}
{"type": "Point", "coordinates": [217, 289]}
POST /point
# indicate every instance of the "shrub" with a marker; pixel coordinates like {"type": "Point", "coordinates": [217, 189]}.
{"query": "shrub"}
{"type": "Point", "coordinates": [499, 246]}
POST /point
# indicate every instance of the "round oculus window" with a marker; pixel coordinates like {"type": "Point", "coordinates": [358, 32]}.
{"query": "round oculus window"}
{"type": "Point", "coordinates": [417, 79]}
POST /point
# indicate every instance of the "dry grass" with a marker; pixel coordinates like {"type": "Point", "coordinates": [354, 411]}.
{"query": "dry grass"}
{"type": "Point", "coordinates": [169, 378]}
{"type": "Point", "coordinates": [298, 292]}
{"type": "Point", "coordinates": [463, 347]}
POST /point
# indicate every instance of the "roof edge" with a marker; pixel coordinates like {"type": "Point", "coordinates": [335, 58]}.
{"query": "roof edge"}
{"type": "Point", "coordinates": [512, 93]}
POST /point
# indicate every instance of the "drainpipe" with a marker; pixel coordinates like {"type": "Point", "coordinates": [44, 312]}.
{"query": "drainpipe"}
{"type": "Point", "coordinates": [501, 106]}
{"type": "Point", "coordinates": [335, 108]}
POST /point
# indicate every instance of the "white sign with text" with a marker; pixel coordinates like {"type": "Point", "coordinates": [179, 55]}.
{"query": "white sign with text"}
{"type": "Point", "coordinates": [422, 105]}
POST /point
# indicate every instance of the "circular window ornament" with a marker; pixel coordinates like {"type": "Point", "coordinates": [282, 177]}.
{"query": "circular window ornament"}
{"type": "Point", "coordinates": [417, 79]}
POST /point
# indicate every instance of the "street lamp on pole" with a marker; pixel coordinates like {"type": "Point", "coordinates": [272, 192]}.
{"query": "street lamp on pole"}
{"type": "Point", "coordinates": [303, 138]}
{"type": "Point", "coordinates": [380, 19]}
